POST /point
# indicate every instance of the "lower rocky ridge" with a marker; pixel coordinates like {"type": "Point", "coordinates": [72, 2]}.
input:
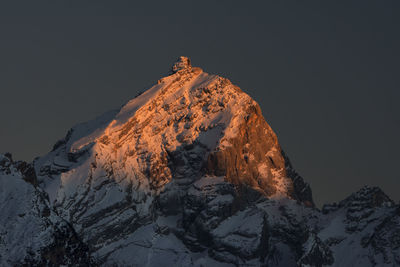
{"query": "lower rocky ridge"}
{"type": "Point", "coordinates": [212, 222]}
{"type": "Point", "coordinates": [31, 232]}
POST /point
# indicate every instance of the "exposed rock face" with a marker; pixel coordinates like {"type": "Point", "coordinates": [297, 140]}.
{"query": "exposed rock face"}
{"type": "Point", "coordinates": [186, 173]}
{"type": "Point", "coordinates": [246, 162]}
{"type": "Point", "coordinates": [316, 252]}
{"type": "Point", "coordinates": [31, 233]}
{"type": "Point", "coordinates": [301, 190]}
{"type": "Point", "coordinates": [182, 64]}
{"type": "Point", "coordinates": [26, 170]}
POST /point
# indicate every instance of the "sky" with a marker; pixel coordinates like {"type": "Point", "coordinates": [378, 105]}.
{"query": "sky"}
{"type": "Point", "coordinates": [325, 73]}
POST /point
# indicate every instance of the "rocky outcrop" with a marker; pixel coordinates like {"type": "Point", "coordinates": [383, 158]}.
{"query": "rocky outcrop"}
{"type": "Point", "coordinates": [316, 253]}
{"type": "Point", "coordinates": [182, 64]}
{"type": "Point", "coordinates": [26, 170]}
{"type": "Point", "coordinates": [31, 233]}
{"type": "Point", "coordinates": [301, 189]}
{"type": "Point", "coordinates": [253, 157]}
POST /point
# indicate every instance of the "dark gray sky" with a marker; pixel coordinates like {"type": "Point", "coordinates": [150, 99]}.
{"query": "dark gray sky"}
{"type": "Point", "coordinates": [326, 74]}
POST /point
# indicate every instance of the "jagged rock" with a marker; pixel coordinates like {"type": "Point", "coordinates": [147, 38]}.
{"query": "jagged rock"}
{"type": "Point", "coordinates": [183, 63]}
{"type": "Point", "coordinates": [25, 170]}
{"type": "Point", "coordinates": [316, 253]}
{"type": "Point", "coordinates": [363, 222]}
{"type": "Point", "coordinates": [301, 189]}
{"type": "Point", "coordinates": [31, 233]}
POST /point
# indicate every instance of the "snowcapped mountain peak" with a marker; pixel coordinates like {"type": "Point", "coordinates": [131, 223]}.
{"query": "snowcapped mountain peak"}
{"type": "Point", "coordinates": [188, 125]}
{"type": "Point", "coordinates": [187, 173]}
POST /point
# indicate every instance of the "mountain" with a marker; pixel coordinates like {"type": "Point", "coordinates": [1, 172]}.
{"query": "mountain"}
{"type": "Point", "coordinates": [187, 173]}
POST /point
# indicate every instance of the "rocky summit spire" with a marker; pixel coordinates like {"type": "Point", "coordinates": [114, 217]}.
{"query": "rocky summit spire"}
{"type": "Point", "coordinates": [182, 63]}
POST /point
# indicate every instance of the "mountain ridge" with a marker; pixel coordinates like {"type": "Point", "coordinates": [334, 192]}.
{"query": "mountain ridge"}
{"type": "Point", "coordinates": [186, 173]}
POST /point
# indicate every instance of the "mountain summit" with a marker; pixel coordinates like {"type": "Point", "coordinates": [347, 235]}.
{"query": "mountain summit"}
{"type": "Point", "coordinates": [189, 125]}
{"type": "Point", "coordinates": [183, 63]}
{"type": "Point", "coordinates": [187, 173]}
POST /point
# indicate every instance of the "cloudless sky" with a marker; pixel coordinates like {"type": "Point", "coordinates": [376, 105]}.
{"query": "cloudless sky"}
{"type": "Point", "coordinates": [325, 73]}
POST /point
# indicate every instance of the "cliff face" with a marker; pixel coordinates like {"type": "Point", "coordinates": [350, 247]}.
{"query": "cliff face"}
{"type": "Point", "coordinates": [187, 173]}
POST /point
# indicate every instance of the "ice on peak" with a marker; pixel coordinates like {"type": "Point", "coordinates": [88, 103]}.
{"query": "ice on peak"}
{"type": "Point", "coordinates": [181, 64]}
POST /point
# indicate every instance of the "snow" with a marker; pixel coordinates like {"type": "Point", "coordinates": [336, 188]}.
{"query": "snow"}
{"type": "Point", "coordinates": [246, 224]}
{"type": "Point", "coordinates": [21, 225]}
{"type": "Point", "coordinates": [129, 109]}
{"type": "Point", "coordinates": [87, 132]}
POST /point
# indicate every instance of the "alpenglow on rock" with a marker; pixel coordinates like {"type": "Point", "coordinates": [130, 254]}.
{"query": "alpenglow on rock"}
{"type": "Point", "coordinates": [188, 173]}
